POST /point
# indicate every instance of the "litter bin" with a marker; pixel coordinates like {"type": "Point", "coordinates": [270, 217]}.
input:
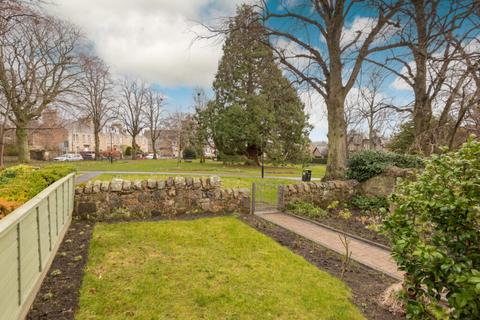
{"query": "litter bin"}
{"type": "Point", "coordinates": [307, 175]}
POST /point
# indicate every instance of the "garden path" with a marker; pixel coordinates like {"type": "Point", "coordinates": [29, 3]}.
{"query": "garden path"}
{"type": "Point", "coordinates": [89, 175]}
{"type": "Point", "coordinates": [362, 252]}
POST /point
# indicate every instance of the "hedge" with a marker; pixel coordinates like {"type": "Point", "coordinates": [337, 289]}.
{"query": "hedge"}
{"type": "Point", "coordinates": [19, 184]}
{"type": "Point", "coordinates": [366, 164]}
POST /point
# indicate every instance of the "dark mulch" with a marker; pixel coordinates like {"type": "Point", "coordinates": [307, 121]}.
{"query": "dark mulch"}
{"type": "Point", "coordinates": [353, 225]}
{"type": "Point", "coordinates": [365, 283]}
{"type": "Point", "coordinates": [58, 296]}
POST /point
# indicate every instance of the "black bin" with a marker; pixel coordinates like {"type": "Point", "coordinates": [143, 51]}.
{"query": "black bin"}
{"type": "Point", "coordinates": [307, 175]}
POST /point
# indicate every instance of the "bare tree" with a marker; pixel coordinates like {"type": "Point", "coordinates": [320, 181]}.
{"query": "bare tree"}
{"type": "Point", "coordinates": [131, 111]}
{"type": "Point", "coordinates": [428, 28]}
{"type": "Point", "coordinates": [373, 107]}
{"type": "Point", "coordinates": [95, 95]}
{"type": "Point", "coordinates": [179, 123]}
{"type": "Point", "coordinates": [37, 66]}
{"type": "Point", "coordinates": [154, 117]}
{"type": "Point", "coordinates": [200, 135]}
{"type": "Point", "coordinates": [5, 113]}
{"type": "Point", "coordinates": [332, 66]}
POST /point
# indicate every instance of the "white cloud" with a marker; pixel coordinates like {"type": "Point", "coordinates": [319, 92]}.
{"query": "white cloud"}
{"type": "Point", "coordinates": [361, 28]}
{"type": "Point", "coordinates": [151, 39]}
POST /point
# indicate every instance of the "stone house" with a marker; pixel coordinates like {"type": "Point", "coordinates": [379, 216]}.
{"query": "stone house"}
{"type": "Point", "coordinates": [114, 136]}
{"type": "Point", "coordinates": [357, 141]}
{"type": "Point", "coordinates": [55, 135]}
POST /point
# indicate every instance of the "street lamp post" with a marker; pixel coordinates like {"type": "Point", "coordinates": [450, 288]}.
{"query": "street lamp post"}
{"type": "Point", "coordinates": [262, 148]}
{"type": "Point", "coordinates": [111, 145]}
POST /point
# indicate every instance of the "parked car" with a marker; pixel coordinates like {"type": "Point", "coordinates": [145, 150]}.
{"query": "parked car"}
{"type": "Point", "coordinates": [88, 155]}
{"type": "Point", "coordinates": [150, 156]}
{"type": "Point", "coordinates": [68, 157]}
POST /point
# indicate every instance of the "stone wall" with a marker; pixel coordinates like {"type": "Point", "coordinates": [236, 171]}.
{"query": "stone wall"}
{"type": "Point", "coordinates": [118, 199]}
{"type": "Point", "coordinates": [319, 193]}
{"type": "Point", "coordinates": [384, 184]}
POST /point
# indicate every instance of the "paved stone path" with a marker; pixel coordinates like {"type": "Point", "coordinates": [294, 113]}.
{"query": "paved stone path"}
{"type": "Point", "coordinates": [85, 176]}
{"type": "Point", "coordinates": [88, 175]}
{"type": "Point", "coordinates": [364, 253]}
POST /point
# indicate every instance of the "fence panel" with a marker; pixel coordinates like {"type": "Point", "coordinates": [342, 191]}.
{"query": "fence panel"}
{"type": "Point", "coordinates": [29, 238]}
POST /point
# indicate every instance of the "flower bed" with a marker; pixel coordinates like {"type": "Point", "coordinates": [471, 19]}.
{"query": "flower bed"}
{"type": "Point", "coordinates": [21, 183]}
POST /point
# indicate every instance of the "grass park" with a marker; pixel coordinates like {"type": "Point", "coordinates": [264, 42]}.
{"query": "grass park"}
{"type": "Point", "coordinates": [386, 92]}
{"type": "Point", "coordinates": [214, 268]}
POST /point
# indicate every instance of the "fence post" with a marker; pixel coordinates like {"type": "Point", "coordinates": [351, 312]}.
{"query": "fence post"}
{"type": "Point", "coordinates": [252, 208]}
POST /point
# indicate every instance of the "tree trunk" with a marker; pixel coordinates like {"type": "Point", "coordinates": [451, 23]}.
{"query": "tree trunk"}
{"type": "Point", "coordinates": [96, 137]}
{"type": "Point", "coordinates": [2, 146]}
{"type": "Point", "coordinates": [422, 110]}
{"type": "Point", "coordinates": [337, 143]}
{"type": "Point", "coordinates": [371, 142]}
{"type": "Point", "coordinates": [154, 148]}
{"type": "Point", "coordinates": [2, 142]}
{"type": "Point", "coordinates": [253, 153]}
{"type": "Point", "coordinates": [134, 147]}
{"type": "Point", "coordinates": [22, 144]}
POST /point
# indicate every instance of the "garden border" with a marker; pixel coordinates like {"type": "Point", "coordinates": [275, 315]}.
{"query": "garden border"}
{"type": "Point", "coordinates": [33, 232]}
{"type": "Point", "coordinates": [373, 243]}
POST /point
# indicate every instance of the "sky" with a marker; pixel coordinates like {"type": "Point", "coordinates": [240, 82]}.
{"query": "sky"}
{"type": "Point", "coordinates": [156, 40]}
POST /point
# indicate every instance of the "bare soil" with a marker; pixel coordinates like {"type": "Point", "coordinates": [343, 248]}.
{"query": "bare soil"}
{"type": "Point", "coordinates": [58, 296]}
{"type": "Point", "coordinates": [353, 225]}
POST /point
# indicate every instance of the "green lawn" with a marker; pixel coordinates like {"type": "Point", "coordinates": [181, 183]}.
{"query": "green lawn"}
{"type": "Point", "coordinates": [210, 167]}
{"type": "Point", "coordinates": [216, 268]}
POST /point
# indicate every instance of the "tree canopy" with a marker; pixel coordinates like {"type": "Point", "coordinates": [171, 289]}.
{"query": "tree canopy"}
{"type": "Point", "coordinates": [255, 108]}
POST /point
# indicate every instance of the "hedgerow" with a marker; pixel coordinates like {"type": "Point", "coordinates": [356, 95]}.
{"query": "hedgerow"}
{"type": "Point", "coordinates": [435, 232]}
{"type": "Point", "coordinates": [366, 164]}
{"type": "Point", "coordinates": [21, 183]}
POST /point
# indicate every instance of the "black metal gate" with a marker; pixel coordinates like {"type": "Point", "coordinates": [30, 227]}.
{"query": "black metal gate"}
{"type": "Point", "coordinates": [264, 196]}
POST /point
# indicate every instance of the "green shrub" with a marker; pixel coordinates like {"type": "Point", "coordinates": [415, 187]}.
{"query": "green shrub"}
{"type": "Point", "coordinates": [21, 183]}
{"type": "Point", "coordinates": [11, 150]}
{"type": "Point", "coordinates": [366, 164]}
{"type": "Point", "coordinates": [189, 153]}
{"type": "Point", "coordinates": [435, 232]}
{"type": "Point", "coordinates": [307, 209]}
{"type": "Point", "coordinates": [369, 203]}
{"type": "Point", "coordinates": [319, 160]}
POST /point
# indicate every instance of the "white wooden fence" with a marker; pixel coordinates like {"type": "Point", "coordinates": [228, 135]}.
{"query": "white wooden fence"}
{"type": "Point", "coordinates": [29, 238]}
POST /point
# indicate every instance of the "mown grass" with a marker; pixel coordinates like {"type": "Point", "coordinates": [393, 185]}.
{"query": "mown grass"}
{"type": "Point", "coordinates": [266, 188]}
{"type": "Point", "coordinates": [210, 167]}
{"type": "Point", "coordinates": [216, 268]}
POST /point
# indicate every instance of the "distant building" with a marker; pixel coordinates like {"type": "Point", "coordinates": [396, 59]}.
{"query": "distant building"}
{"type": "Point", "coordinates": [319, 150]}
{"type": "Point", "coordinates": [112, 137]}
{"type": "Point", "coordinates": [166, 144]}
{"type": "Point", "coordinates": [54, 135]}
{"type": "Point", "coordinates": [357, 141]}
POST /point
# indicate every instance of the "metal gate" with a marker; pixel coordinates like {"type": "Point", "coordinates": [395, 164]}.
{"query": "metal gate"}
{"type": "Point", "coordinates": [264, 196]}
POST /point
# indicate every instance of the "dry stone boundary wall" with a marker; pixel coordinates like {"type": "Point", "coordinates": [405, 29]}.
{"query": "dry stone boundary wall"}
{"type": "Point", "coordinates": [123, 199]}
{"type": "Point", "coordinates": [319, 193]}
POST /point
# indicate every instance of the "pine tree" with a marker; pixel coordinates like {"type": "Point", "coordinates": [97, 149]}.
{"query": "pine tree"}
{"type": "Point", "coordinates": [255, 108]}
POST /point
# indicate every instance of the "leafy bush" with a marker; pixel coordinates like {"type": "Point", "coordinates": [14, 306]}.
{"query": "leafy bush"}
{"type": "Point", "coordinates": [318, 160]}
{"type": "Point", "coordinates": [435, 232]}
{"type": "Point", "coordinates": [21, 183]}
{"type": "Point", "coordinates": [366, 164]}
{"type": "Point", "coordinates": [306, 209]}
{"type": "Point", "coordinates": [189, 153]}
{"type": "Point", "coordinates": [369, 203]}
